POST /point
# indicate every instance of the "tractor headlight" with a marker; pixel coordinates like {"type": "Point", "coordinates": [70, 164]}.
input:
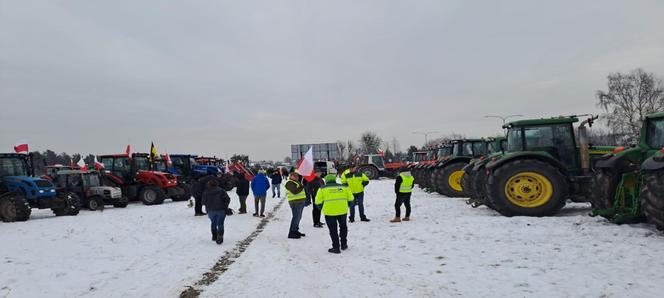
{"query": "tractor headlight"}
{"type": "Point", "coordinates": [52, 190]}
{"type": "Point", "coordinates": [41, 191]}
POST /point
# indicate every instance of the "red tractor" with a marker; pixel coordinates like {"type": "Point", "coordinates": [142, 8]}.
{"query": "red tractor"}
{"type": "Point", "coordinates": [374, 166]}
{"type": "Point", "coordinates": [135, 176]}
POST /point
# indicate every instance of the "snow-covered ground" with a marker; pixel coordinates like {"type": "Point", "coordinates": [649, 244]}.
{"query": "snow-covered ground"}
{"type": "Point", "coordinates": [449, 249]}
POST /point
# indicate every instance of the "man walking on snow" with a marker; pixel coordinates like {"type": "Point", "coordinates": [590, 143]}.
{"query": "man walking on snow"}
{"type": "Point", "coordinates": [259, 186]}
{"type": "Point", "coordinates": [296, 200]}
{"type": "Point", "coordinates": [403, 187]}
{"type": "Point", "coordinates": [356, 181]}
{"type": "Point", "coordinates": [333, 199]}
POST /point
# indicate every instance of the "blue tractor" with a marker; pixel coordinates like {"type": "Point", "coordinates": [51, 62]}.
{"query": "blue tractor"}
{"type": "Point", "coordinates": [21, 191]}
{"type": "Point", "coordinates": [187, 170]}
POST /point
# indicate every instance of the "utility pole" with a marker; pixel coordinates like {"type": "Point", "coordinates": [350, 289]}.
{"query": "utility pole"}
{"type": "Point", "coordinates": [426, 135]}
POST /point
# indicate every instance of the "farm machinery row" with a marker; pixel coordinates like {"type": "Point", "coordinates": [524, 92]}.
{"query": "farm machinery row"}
{"type": "Point", "coordinates": [543, 163]}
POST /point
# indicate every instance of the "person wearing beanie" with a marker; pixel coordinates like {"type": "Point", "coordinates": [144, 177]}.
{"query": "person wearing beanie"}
{"type": "Point", "coordinates": [334, 199]}
{"type": "Point", "coordinates": [296, 200]}
{"type": "Point", "coordinates": [312, 189]}
{"type": "Point", "coordinates": [403, 187]}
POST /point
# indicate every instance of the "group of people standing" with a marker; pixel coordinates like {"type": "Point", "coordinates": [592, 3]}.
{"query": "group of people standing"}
{"type": "Point", "coordinates": [334, 200]}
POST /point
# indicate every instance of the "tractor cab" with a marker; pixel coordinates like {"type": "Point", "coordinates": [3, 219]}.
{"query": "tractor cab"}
{"type": "Point", "coordinates": [89, 188]}
{"type": "Point", "coordinates": [420, 156]}
{"type": "Point", "coordinates": [554, 137]}
{"type": "Point", "coordinates": [17, 176]}
{"type": "Point", "coordinates": [52, 170]}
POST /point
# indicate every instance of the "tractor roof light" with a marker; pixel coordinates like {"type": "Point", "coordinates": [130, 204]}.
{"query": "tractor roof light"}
{"type": "Point", "coordinates": [619, 149]}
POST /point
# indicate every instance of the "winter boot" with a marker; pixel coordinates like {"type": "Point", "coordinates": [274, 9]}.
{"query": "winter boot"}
{"type": "Point", "coordinates": [220, 236]}
{"type": "Point", "coordinates": [334, 250]}
{"type": "Point", "coordinates": [365, 219]}
{"type": "Point", "coordinates": [407, 218]}
{"type": "Point", "coordinates": [292, 235]}
{"type": "Point", "coordinates": [344, 246]}
{"type": "Point", "coordinates": [301, 234]}
{"type": "Point", "coordinates": [214, 234]}
{"type": "Point", "coordinates": [396, 219]}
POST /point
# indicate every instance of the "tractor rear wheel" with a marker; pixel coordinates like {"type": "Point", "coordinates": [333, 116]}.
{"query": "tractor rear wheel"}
{"type": "Point", "coordinates": [371, 172]}
{"type": "Point", "coordinates": [23, 209]}
{"type": "Point", "coordinates": [603, 188]}
{"type": "Point", "coordinates": [151, 195]}
{"type": "Point", "coordinates": [527, 187]}
{"type": "Point", "coordinates": [652, 198]}
{"type": "Point", "coordinates": [7, 209]}
{"type": "Point", "coordinates": [95, 203]}
{"type": "Point", "coordinates": [448, 180]}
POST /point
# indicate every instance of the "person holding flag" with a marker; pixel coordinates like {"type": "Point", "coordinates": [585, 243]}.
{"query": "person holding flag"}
{"type": "Point", "coordinates": [297, 197]}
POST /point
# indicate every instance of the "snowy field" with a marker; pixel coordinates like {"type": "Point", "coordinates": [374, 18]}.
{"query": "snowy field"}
{"type": "Point", "coordinates": [449, 249]}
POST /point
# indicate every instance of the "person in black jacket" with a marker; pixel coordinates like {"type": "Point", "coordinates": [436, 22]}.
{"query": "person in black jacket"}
{"type": "Point", "coordinates": [312, 188]}
{"type": "Point", "coordinates": [216, 201]}
{"type": "Point", "coordinates": [242, 191]}
{"type": "Point", "coordinates": [199, 188]}
{"type": "Point", "coordinates": [276, 180]}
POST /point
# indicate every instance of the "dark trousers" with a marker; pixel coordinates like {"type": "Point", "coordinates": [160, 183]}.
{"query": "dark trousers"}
{"type": "Point", "coordinates": [359, 202]}
{"type": "Point", "coordinates": [402, 198]}
{"type": "Point", "coordinates": [198, 204]}
{"type": "Point", "coordinates": [315, 214]}
{"type": "Point", "coordinates": [296, 210]}
{"type": "Point", "coordinates": [332, 223]}
{"type": "Point", "coordinates": [243, 203]}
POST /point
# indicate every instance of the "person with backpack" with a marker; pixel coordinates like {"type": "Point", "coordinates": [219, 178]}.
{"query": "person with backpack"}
{"type": "Point", "coordinates": [216, 201]}
{"type": "Point", "coordinates": [259, 187]}
{"type": "Point", "coordinates": [242, 191]}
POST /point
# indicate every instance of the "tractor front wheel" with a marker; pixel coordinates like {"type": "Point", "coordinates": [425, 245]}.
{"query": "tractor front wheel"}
{"type": "Point", "coordinates": [467, 183]}
{"type": "Point", "coordinates": [95, 203]}
{"type": "Point", "coordinates": [72, 205]}
{"type": "Point", "coordinates": [448, 180]}
{"type": "Point", "coordinates": [151, 195]}
{"type": "Point", "coordinates": [7, 209]}
{"type": "Point", "coordinates": [527, 187]}
{"type": "Point", "coordinates": [121, 202]}
{"type": "Point", "coordinates": [371, 172]}
{"type": "Point", "coordinates": [186, 195]}
{"type": "Point", "coordinates": [652, 198]}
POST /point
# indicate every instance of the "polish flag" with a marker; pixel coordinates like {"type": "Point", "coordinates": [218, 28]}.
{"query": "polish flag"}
{"type": "Point", "coordinates": [98, 165]}
{"type": "Point", "coordinates": [381, 153]}
{"type": "Point", "coordinates": [168, 159]}
{"type": "Point", "coordinates": [81, 164]}
{"type": "Point", "coordinates": [306, 166]}
{"type": "Point", "coordinates": [128, 150]}
{"type": "Point", "coordinates": [21, 147]}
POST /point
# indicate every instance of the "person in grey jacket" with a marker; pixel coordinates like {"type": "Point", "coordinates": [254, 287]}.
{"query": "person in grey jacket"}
{"type": "Point", "coordinates": [216, 201]}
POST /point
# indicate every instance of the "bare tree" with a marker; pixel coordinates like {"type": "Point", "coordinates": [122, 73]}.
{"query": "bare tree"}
{"type": "Point", "coordinates": [370, 143]}
{"type": "Point", "coordinates": [444, 139]}
{"type": "Point", "coordinates": [288, 159]}
{"type": "Point", "coordinates": [342, 148]}
{"type": "Point", "coordinates": [350, 146]}
{"type": "Point", "coordinates": [629, 98]}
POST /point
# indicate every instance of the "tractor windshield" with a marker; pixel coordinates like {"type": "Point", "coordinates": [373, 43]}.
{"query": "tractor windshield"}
{"type": "Point", "coordinates": [479, 148]}
{"type": "Point", "coordinates": [91, 180]}
{"type": "Point", "coordinates": [445, 151]}
{"type": "Point", "coordinates": [556, 140]}
{"type": "Point", "coordinates": [142, 163]}
{"type": "Point", "coordinates": [13, 166]}
{"type": "Point", "coordinates": [655, 135]}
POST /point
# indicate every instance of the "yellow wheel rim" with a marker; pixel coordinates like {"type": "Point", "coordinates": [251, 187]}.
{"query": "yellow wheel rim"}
{"type": "Point", "coordinates": [454, 180]}
{"type": "Point", "coordinates": [528, 190]}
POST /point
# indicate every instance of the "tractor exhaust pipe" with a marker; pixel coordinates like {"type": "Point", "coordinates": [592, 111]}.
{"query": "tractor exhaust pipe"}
{"type": "Point", "coordinates": [584, 144]}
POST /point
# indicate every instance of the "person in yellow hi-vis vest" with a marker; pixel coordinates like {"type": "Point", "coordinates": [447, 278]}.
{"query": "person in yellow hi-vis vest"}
{"type": "Point", "coordinates": [356, 181]}
{"type": "Point", "coordinates": [297, 199]}
{"type": "Point", "coordinates": [403, 187]}
{"type": "Point", "coordinates": [333, 199]}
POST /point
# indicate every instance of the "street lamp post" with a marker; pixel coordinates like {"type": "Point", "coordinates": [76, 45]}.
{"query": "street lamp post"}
{"type": "Point", "coordinates": [504, 118]}
{"type": "Point", "coordinates": [426, 135]}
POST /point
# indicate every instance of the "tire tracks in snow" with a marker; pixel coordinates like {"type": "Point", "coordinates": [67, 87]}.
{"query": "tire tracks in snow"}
{"type": "Point", "coordinates": [222, 265]}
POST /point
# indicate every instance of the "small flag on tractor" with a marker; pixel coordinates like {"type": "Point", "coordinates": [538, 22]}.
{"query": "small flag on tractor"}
{"type": "Point", "coordinates": [153, 153]}
{"type": "Point", "coordinates": [128, 150]}
{"type": "Point", "coordinates": [81, 164]}
{"type": "Point", "coordinates": [306, 166]}
{"type": "Point", "coordinates": [168, 159]}
{"type": "Point", "coordinates": [21, 147]}
{"type": "Point", "coordinates": [98, 165]}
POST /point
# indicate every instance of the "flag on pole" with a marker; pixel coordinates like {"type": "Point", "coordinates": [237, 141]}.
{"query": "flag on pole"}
{"type": "Point", "coordinates": [128, 150]}
{"type": "Point", "coordinates": [168, 159]}
{"type": "Point", "coordinates": [153, 153]}
{"type": "Point", "coordinates": [98, 165]}
{"type": "Point", "coordinates": [306, 166]}
{"type": "Point", "coordinates": [21, 147]}
{"type": "Point", "coordinates": [81, 164]}
{"type": "Point", "coordinates": [381, 152]}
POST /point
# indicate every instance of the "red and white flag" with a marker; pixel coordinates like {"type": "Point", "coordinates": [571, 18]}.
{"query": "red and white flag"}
{"type": "Point", "coordinates": [21, 147]}
{"type": "Point", "coordinates": [168, 159]}
{"type": "Point", "coordinates": [128, 150]}
{"type": "Point", "coordinates": [98, 165]}
{"type": "Point", "coordinates": [381, 152]}
{"type": "Point", "coordinates": [306, 166]}
{"type": "Point", "coordinates": [81, 164]}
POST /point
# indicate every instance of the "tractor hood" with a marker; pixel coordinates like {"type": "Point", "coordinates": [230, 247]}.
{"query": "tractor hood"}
{"type": "Point", "coordinates": [107, 191]}
{"type": "Point", "coordinates": [31, 187]}
{"type": "Point", "coordinates": [33, 181]}
{"type": "Point", "coordinates": [206, 170]}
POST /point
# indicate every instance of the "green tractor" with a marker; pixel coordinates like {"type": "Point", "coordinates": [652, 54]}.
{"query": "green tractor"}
{"type": "Point", "coordinates": [629, 182]}
{"type": "Point", "coordinates": [474, 179]}
{"type": "Point", "coordinates": [543, 166]}
{"type": "Point", "coordinates": [447, 173]}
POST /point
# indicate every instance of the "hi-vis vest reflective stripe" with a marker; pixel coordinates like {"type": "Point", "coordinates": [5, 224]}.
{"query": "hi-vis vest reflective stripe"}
{"type": "Point", "coordinates": [406, 184]}
{"type": "Point", "coordinates": [335, 199]}
{"type": "Point", "coordinates": [294, 197]}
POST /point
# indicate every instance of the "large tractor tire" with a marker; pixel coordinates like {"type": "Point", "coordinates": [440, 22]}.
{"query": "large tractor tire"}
{"type": "Point", "coordinates": [603, 187]}
{"type": "Point", "coordinates": [467, 183]}
{"type": "Point", "coordinates": [95, 203]}
{"type": "Point", "coordinates": [121, 202]}
{"type": "Point", "coordinates": [652, 198]}
{"type": "Point", "coordinates": [151, 195]}
{"type": "Point", "coordinates": [186, 193]}
{"type": "Point", "coordinates": [448, 180]}
{"type": "Point", "coordinates": [7, 208]}
{"type": "Point", "coordinates": [371, 172]}
{"type": "Point", "coordinates": [479, 187]}
{"type": "Point", "coordinates": [72, 205]}
{"type": "Point", "coordinates": [527, 187]}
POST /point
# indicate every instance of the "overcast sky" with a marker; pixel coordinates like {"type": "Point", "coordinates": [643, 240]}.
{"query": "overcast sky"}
{"type": "Point", "coordinates": [220, 77]}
